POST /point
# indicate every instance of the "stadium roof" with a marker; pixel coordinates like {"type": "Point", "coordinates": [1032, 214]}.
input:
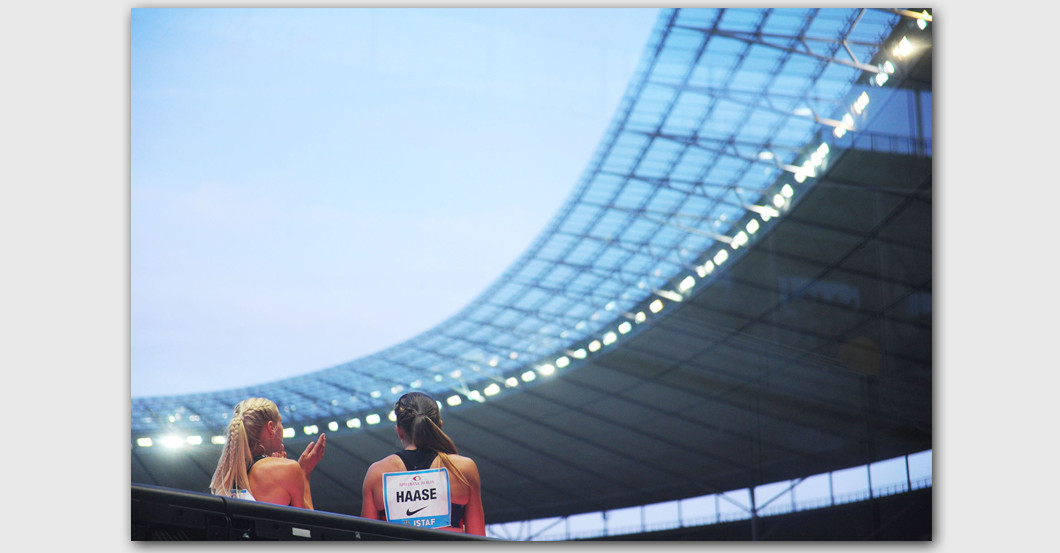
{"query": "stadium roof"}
{"type": "Point", "coordinates": [738, 290]}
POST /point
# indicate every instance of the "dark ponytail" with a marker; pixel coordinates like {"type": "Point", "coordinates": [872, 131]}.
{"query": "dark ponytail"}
{"type": "Point", "coordinates": [419, 418]}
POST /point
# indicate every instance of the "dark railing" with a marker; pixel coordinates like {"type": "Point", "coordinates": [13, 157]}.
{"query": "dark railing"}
{"type": "Point", "coordinates": [165, 514]}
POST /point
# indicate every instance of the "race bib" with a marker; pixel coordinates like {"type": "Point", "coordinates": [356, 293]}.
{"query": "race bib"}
{"type": "Point", "coordinates": [417, 498]}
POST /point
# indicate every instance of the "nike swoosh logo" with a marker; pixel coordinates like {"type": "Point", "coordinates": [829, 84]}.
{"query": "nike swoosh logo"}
{"type": "Point", "coordinates": [409, 513]}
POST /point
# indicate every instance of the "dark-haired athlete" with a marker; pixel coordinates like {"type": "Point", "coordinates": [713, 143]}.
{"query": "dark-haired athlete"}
{"type": "Point", "coordinates": [414, 497]}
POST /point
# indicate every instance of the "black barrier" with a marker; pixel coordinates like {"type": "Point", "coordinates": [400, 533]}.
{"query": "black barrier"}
{"type": "Point", "coordinates": [166, 514]}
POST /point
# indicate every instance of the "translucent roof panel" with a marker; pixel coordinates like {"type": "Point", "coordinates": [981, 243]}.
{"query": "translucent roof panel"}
{"type": "Point", "coordinates": [724, 109]}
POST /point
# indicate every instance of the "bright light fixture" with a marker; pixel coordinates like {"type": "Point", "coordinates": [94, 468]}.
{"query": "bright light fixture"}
{"type": "Point", "coordinates": [655, 306]}
{"type": "Point", "coordinates": [454, 400]}
{"type": "Point", "coordinates": [686, 284]}
{"type": "Point", "coordinates": [547, 369]}
{"type": "Point", "coordinates": [194, 440]}
{"type": "Point", "coordinates": [720, 257]}
{"type": "Point", "coordinates": [171, 441]}
{"type": "Point", "coordinates": [492, 390]}
{"type": "Point", "coordinates": [333, 426]}
{"type": "Point", "coordinates": [640, 317]}
{"type": "Point", "coordinates": [624, 327]}
{"type": "Point", "coordinates": [529, 376]}
{"type": "Point", "coordinates": [353, 423]}
{"type": "Point", "coordinates": [562, 362]}
{"type": "Point", "coordinates": [861, 102]}
{"type": "Point", "coordinates": [288, 432]}
{"type": "Point", "coordinates": [594, 346]}
{"type": "Point", "coordinates": [739, 240]}
{"type": "Point", "coordinates": [610, 337]}
{"type": "Point", "coordinates": [217, 440]}
{"type": "Point", "coordinates": [579, 353]}
{"type": "Point", "coordinates": [903, 48]}
{"type": "Point", "coordinates": [779, 200]}
{"type": "Point", "coordinates": [144, 442]}
{"type": "Point", "coordinates": [752, 226]}
{"type": "Point", "coordinates": [512, 382]}
{"type": "Point", "coordinates": [372, 419]}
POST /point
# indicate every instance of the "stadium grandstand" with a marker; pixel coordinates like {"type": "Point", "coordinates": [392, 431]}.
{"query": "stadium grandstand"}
{"type": "Point", "coordinates": [725, 332]}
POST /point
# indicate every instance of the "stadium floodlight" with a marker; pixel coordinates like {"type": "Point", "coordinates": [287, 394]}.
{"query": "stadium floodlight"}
{"type": "Point", "coordinates": [373, 419]}
{"type": "Point", "coordinates": [144, 442]}
{"type": "Point", "coordinates": [529, 376]}
{"type": "Point", "coordinates": [610, 337]}
{"type": "Point", "coordinates": [492, 390]}
{"type": "Point", "coordinates": [547, 369]}
{"type": "Point", "coordinates": [624, 327]}
{"type": "Point", "coordinates": [720, 257]}
{"type": "Point", "coordinates": [511, 382]}
{"type": "Point", "coordinates": [686, 284]}
{"type": "Point", "coordinates": [453, 400]}
{"type": "Point", "coordinates": [333, 426]}
{"type": "Point", "coordinates": [171, 441]}
{"type": "Point", "coordinates": [353, 423]}
{"type": "Point", "coordinates": [194, 440]}
{"type": "Point", "coordinates": [739, 240]}
{"type": "Point", "coordinates": [903, 48]}
{"type": "Point", "coordinates": [752, 226]}
{"type": "Point", "coordinates": [861, 103]}
{"type": "Point", "coordinates": [288, 432]}
{"type": "Point", "coordinates": [563, 361]}
{"type": "Point", "coordinates": [655, 306]}
{"type": "Point", "coordinates": [391, 416]}
{"type": "Point", "coordinates": [217, 440]}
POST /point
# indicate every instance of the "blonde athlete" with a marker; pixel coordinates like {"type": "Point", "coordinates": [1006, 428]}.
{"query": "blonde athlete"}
{"type": "Point", "coordinates": [254, 463]}
{"type": "Point", "coordinates": [419, 427]}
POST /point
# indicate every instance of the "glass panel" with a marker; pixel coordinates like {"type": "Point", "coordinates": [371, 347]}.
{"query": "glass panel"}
{"type": "Point", "coordinates": [699, 510]}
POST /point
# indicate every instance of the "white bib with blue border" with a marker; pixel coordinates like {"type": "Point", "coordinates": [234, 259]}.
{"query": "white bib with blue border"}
{"type": "Point", "coordinates": [418, 498]}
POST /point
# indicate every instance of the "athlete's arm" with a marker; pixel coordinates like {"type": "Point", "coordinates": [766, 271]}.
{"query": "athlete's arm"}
{"type": "Point", "coordinates": [474, 518]}
{"type": "Point", "coordinates": [368, 502]}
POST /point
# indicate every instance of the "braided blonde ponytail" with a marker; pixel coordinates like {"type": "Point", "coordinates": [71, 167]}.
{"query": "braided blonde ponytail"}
{"type": "Point", "coordinates": [248, 418]}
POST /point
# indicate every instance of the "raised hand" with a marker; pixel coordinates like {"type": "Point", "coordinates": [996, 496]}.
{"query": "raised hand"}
{"type": "Point", "coordinates": [312, 455]}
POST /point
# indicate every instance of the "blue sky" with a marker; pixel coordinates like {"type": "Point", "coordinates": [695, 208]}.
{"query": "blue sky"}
{"type": "Point", "coordinates": [312, 186]}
